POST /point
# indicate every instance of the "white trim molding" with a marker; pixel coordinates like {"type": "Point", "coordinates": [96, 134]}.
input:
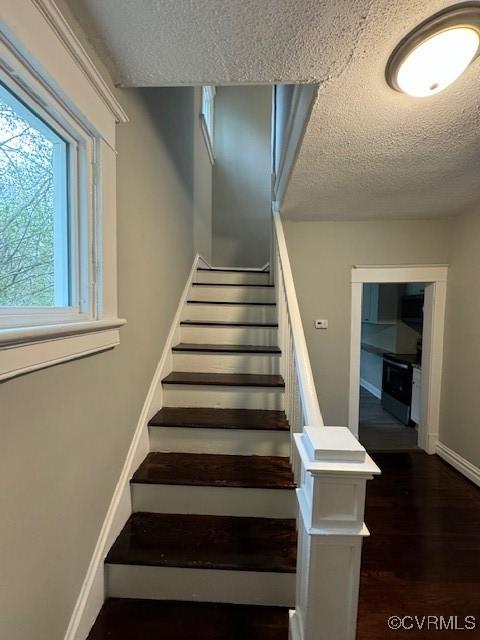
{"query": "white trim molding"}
{"type": "Point", "coordinates": [303, 100]}
{"type": "Point", "coordinates": [92, 593]}
{"type": "Point", "coordinates": [66, 342]}
{"type": "Point", "coordinates": [64, 32]}
{"type": "Point", "coordinates": [375, 391]}
{"type": "Point", "coordinates": [435, 277]}
{"type": "Point", "coordinates": [459, 463]}
{"type": "Point", "coordinates": [45, 65]}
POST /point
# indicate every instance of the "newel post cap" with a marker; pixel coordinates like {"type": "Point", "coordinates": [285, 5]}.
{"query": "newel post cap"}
{"type": "Point", "coordinates": [333, 450]}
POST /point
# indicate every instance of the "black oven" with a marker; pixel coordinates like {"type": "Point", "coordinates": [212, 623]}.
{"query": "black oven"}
{"type": "Point", "coordinates": [397, 388]}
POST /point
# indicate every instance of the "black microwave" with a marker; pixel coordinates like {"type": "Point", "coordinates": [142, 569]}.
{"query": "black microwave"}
{"type": "Point", "coordinates": [412, 310]}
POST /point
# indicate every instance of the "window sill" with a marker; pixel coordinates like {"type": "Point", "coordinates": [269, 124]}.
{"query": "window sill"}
{"type": "Point", "coordinates": [27, 349]}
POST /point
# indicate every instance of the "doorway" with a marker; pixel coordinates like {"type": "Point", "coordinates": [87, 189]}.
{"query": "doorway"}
{"type": "Point", "coordinates": [391, 365]}
{"type": "Point", "coordinates": [379, 415]}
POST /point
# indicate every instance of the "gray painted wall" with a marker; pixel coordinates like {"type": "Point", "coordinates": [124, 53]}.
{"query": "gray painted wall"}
{"type": "Point", "coordinates": [242, 176]}
{"type": "Point", "coordinates": [460, 408]}
{"type": "Point", "coordinates": [322, 255]}
{"type": "Point", "coordinates": [65, 431]}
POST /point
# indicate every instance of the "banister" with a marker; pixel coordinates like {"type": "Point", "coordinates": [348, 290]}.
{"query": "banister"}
{"type": "Point", "coordinates": [311, 407]}
{"type": "Point", "coordinates": [331, 469]}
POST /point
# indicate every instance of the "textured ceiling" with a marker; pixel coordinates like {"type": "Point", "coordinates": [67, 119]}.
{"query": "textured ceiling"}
{"type": "Point", "coordinates": [368, 151]}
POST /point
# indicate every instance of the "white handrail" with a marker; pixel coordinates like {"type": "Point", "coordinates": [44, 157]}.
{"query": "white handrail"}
{"type": "Point", "coordinates": [331, 470]}
{"type": "Point", "coordinates": [299, 374]}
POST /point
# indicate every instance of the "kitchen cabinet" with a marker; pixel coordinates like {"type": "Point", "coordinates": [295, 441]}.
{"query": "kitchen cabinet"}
{"type": "Point", "coordinates": [415, 412]}
{"type": "Point", "coordinates": [380, 303]}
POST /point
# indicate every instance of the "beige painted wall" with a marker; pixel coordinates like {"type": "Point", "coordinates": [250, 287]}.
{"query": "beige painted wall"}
{"type": "Point", "coordinates": [242, 176]}
{"type": "Point", "coordinates": [65, 431]}
{"type": "Point", "coordinates": [460, 408]}
{"type": "Point", "coordinates": [322, 254]}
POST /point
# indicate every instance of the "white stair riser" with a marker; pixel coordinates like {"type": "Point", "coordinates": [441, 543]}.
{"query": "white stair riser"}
{"type": "Point", "coordinates": [230, 313]}
{"type": "Point", "coordinates": [176, 395]}
{"type": "Point", "coordinates": [201, 585]}
{"type": "Point", "coordinates": [215, 501]}
{"type": "Point", "coordinates": [230, 277]}
{"type": "Point", "coordinates": [220, 441]}
{"type": "Point", "coordinates": [233, 294]}
{"type": "Point", "coordinates": [226, 362]}
{"type": "Point", "coordinates": [229, 335]}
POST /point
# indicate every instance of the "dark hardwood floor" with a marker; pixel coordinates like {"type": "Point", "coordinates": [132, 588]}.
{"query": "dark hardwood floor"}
{"type": "Point", "coordinates": [380, 430]}
{"type": "Point", "coordinates": [214, 470]}
{"type": "Point", "coordinates": [207, 542]}
{"type": "Point", "coordinates": [423, 555]}
{"type": "Point", "coordinates": [213, 418]}
{"type": "Point", "coordinates": [122, 619]}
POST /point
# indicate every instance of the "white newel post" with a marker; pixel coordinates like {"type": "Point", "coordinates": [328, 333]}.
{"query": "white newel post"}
{"type": "Point", "coordinates": [331, 497]}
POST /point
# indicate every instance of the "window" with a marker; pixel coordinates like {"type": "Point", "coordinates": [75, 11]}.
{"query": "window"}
{"type": "Point", "coordinates": [208, 116]}
{"type": "Point", "coordinates": [46, 239]}
{"type": "Point", "coordinates": [34, 225]}
{"type": "Point", "coordinates": [58, 278]}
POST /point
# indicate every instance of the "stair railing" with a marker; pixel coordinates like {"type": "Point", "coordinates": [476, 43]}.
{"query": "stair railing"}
{"type": "Point", "coordinates": [331, 470]}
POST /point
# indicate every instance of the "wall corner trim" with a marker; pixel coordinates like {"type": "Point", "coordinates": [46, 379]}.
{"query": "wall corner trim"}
{"type": "Point", "coordinates": [92, 591]}
{"type": "Point", "coordinates": [459, 463]}
{"type": "Point", "coordinates": [375, 391]}
{"type": "Point", "coordinates": [72, 44]}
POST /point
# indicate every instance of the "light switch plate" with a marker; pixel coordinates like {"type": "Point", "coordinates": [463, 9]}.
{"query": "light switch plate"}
{"type": "Point", "coordinates": [321, 324]}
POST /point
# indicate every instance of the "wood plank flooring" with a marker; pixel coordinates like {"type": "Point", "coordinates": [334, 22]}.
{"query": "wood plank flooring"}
{"type": "Point", "coordinates": [122, 619]}
{"type": "Point", "coordinates": [213, 470]}
{"type": "Point", "coordinates": [423, 555]}
{"type": "Point", "coordinates": [380, 430]}
{"type": "Point", "coordinates": [224, 379]}
{"type": "Point", "coordinates": [213, 418]}
{"type": "Point", "coordinates": [207, 542]}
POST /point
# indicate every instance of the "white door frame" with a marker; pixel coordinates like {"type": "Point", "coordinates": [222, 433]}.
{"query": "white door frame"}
{"type": "Point", "coordinates": [435, 276]}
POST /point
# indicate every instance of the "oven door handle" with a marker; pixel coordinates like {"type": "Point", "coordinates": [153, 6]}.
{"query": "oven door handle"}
{"type": "Point", "coordinates": [396, 364]}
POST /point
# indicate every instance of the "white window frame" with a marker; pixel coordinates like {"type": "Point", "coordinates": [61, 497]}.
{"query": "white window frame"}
{"type": "Point", "coordinates": [76, 275]}
{"type": "Point", "coordinates": [207, 118]}
{"type": "Point", "coordinates": [57, 80]}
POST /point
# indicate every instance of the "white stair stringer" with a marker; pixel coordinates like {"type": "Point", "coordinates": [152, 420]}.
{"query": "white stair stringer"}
{"type": "Point", "coordinates": [220, 441]}
{"type": "Point", "coordinates": [223, 397]}
{"type": "Point", "coordinates": [228, 334]}
{"type": "Point", "coordinates": [218, 276]}
{"type": "Point", "coordinates": [211, 311]}
{"type": "Point", "coordinates": [215, 501]}
{"type": "Point", "coordinates": [263, 363]}
{"type": "Point", "coordinates": [203, 585]}
{"type": "Point", "coordinates": [232, 293]}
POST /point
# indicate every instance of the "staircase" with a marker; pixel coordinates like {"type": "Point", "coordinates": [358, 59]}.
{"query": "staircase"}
{"type": "Point", "coordinates": [210, 548]}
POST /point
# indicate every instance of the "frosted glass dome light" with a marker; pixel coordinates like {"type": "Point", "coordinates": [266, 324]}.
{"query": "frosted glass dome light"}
{"type": "Point", "coordinates": [433, 56]}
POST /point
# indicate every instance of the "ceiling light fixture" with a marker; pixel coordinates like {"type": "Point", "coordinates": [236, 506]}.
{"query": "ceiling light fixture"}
{"type": "Point", "coordinates": [437, 52]}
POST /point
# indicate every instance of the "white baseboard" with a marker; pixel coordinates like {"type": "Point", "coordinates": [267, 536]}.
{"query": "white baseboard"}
{"type": "Point", "coordinates": [92, 592]}
{"type": "Point", "coordinates": [372, 388]}
{"type": "Point", "coordinates": [465, 467]}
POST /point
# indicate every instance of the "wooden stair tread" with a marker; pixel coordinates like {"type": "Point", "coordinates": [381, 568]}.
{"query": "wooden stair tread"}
{"type": "Point", "coordinates": [256, 304]}
{"type": "Point", "coordinates": [226, 348]}
{"type": "Point", "coordinates": [206, 542]}
{"type": "Point", "coordinates": [222, 270]}
{"type": "Point", "coordinates": [210, 418]}
{"type": "Point", "coordinates": [212, 470]}
{"type": "Point", "coordinates": [231, 284]}
{"type": "Point", "coordinates": [224, 379]}
{"type": "Point", "coordinates": [223, 323]}
{"type": "Point", "coordinates": [136, 619]}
